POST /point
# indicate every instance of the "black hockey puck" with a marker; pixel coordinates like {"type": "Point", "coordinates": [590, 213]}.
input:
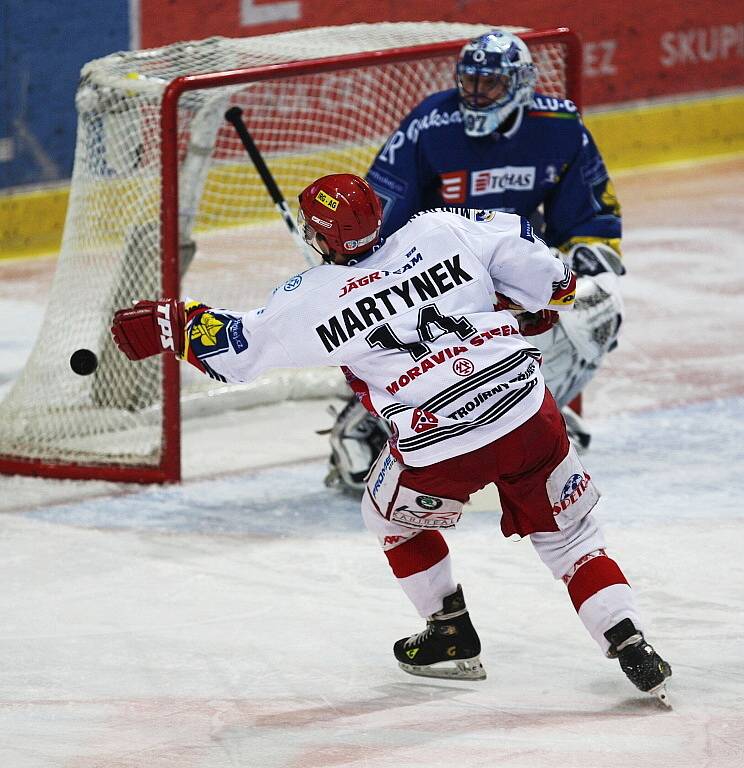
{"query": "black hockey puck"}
{"type": "Point", "coordinates": [83, 362]}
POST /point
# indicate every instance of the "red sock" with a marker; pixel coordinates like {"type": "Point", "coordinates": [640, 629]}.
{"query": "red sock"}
{"type": "Point", "coordinates": [417, 554]}
{"type": "Point", "coordinates": [591, 574]}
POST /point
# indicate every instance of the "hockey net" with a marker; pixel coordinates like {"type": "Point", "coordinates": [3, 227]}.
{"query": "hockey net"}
{"type": "Point", "coordinates": [163, 191]}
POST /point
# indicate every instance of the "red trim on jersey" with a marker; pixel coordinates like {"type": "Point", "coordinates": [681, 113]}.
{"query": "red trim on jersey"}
{"type": "Point", "coordinates": [191, 311]}
{"type": "Point", "coordinates": [359, 388]}
{"type": "Point", "coordinates": [417, 554]}
{"type": "Point", "coordinates": [596, 574]}
{"type": "Point", "coordinates": [565, 292]}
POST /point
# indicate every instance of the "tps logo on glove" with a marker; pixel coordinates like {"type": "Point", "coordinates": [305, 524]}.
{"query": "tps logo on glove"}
{"type": "Point", "coordinates": [166, 336]}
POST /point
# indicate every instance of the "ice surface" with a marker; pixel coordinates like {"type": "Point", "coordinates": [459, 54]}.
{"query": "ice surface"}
{"type": "Point", "coordinates": [245, 618]}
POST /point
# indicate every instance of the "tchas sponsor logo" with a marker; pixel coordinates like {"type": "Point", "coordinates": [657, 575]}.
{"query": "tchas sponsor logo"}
{"type": "Point", "coordinates": [573, 490]}
{"type": "Point", "coordinates": [166, 331]}
{"type": "Point", "coordinates": [454, 188]}
{"type": "Point", "coordinates": [325, 199]}
{"type": "Point", "coordinates": [492, 181]}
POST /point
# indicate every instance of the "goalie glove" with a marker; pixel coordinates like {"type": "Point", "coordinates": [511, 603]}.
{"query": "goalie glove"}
{"type": "Point", "coordinates": [594, 258]}
{"type": "Point", "coordinates": [149, 328]}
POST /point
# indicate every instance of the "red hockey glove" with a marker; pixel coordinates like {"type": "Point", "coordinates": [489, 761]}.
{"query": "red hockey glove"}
{"type": "Point", "coordinates": [504, 302]}
{"type": "Point", "coordinates": [535, 323]}
{"type": "Point", "coordinates": [149, 328]}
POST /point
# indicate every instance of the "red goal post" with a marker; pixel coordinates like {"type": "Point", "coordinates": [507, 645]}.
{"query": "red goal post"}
{"type": "Point", "coordinates": [153, 149]}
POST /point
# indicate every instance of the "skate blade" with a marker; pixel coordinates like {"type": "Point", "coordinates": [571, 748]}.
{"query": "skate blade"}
{"type": "Point", "coordinates": [464, 669]}
{"type": "Point", "coordinates": [660, 693]}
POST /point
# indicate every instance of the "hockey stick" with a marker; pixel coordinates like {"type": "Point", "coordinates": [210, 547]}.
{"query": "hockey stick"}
{"type": "Point", "coordinates": [234, 116]}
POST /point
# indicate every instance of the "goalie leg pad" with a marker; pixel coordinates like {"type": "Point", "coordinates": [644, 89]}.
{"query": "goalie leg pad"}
{"type": "Point", "coordinates": [356, 438]}
{"type": "Point", "coordinates": [573, 350]}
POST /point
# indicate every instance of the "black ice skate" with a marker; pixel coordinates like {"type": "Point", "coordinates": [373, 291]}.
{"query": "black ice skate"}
{"type": "Point", "coordinates": [640, 662]}
{"type": "Point", "coordinates": [448, 647]}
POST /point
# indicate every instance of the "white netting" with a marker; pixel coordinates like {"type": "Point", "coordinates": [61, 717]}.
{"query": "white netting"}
{"type": "Point", "coordinates": [234, 246]}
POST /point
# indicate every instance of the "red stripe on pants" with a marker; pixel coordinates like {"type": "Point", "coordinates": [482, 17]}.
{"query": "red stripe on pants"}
{"type": "Point", "coordinates": [594, 575]}
{"type": "Point", "coordinates": [417, 554]}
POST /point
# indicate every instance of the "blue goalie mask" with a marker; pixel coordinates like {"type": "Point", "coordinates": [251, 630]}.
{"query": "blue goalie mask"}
{"type": "Point", "coordinates": [494, 75]}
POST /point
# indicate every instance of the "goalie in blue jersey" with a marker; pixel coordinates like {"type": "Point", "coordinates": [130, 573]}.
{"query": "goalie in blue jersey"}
{"type": "Point", "coordinates": [493, 142]}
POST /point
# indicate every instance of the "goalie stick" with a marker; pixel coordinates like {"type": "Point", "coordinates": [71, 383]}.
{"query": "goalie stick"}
{"type": "Point", "coordinates": [234, 116]}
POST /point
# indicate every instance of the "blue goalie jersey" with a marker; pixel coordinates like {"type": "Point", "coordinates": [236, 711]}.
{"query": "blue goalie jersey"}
{"type": "Point", "coordinates": [546, 157]}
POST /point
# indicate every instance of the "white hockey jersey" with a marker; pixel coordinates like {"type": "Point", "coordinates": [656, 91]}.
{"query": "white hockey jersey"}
{"type": "Point", "coordinates": [413, 325]}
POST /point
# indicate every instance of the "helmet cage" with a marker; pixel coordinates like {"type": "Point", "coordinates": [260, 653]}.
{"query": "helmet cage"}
{"type": "Point", "coordinates": [502, 55]}
{"type": "Point", "coordinates": [309, 234]}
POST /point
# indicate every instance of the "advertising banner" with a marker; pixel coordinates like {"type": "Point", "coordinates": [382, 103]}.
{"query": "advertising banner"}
{"type": "Point", "coordinates": [632, 50]}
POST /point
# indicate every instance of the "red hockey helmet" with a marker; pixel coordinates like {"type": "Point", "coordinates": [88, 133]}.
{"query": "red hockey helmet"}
{"type": "Point", "coordinates": [343, 210]}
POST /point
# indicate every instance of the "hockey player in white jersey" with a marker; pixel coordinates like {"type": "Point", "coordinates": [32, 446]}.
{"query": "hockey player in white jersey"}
{"type": "Point", "coordinates": [494, 142]}
{"type": "Point", "coordinates": [412, 322]}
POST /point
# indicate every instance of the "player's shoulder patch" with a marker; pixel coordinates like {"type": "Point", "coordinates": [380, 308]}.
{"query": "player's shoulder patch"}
{"type": "Point", "coordinates": [292, 283]}
{"type": "Point", "coordinates": [552, 107]}
{"type": "Point", "coordinates": [212, 333]}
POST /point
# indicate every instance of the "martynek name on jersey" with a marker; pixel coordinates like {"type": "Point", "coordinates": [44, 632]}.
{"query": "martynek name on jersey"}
{"type": "Point", "coordinates": [369, 310]}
